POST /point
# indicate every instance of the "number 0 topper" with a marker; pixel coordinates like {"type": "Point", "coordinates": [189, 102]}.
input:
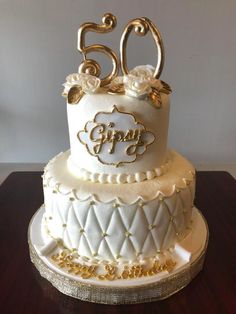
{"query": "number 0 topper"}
{"type": "Point", "coordinates": [141, 27]}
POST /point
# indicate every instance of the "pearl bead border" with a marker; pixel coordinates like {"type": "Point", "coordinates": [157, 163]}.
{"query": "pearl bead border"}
{"type": "Point", "coordinates": [117, 178]}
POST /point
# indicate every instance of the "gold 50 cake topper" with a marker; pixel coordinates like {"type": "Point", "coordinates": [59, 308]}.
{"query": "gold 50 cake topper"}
{"type": "Point", "coordinates": [141, 27]}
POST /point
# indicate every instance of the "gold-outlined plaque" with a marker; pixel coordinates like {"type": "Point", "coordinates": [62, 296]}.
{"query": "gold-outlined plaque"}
{"type": "Point", "coordinates": [111, 135]}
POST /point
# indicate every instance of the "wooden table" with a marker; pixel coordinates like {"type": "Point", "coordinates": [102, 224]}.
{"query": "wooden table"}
{"type": "Point", "coordinates": [23, 291]}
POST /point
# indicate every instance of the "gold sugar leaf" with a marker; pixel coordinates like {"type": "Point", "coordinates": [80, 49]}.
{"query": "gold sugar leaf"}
{"type": "Point", "coordinates": [155, 98]}
{"type": "Point", "coordinates": [165, 88]}
{"type": "Point", "coordinates": [116, 89]}
{"type": "Point", "coordinates": [74, 95]}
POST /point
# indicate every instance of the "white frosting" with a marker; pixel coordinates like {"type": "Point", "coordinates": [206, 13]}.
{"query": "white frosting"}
{"type": "Point", "coordinates": [124, 222]}
{"type": "Point", "coordinates": [153, 119]}
{"type": "Point", "coordinates": [58, 178]}
{"type": "Point", "coordinates": [117, 139]}
{"type": "Point", "coordinates": [119, 178]}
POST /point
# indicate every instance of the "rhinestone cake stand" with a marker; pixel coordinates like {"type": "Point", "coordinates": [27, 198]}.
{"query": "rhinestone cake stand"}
{"type": "Point", "coordinates": [188, 254]}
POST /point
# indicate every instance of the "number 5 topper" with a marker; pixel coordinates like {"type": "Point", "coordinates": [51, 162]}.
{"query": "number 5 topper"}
{"type": "Point", "coordinates": [90, 66]}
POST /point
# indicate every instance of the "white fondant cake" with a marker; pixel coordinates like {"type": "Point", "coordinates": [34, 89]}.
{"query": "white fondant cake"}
{"type": "Point", "coordinates": [119, 196]}
{"type": "Point", "coordinates": [118, 222]}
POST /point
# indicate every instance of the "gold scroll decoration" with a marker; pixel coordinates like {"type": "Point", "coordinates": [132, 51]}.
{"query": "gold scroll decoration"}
{"type": "Point", "coordinates": [90, 66]}
{"type": "Point", "coordinates": [141, 27]}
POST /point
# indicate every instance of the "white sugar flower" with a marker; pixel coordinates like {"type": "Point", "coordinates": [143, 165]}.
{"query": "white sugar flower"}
{"type": "Point", "coordinates": [71, 80]}
{"type": "Point", "coordinates": [89, 83]}
{"type": "Point", "coordinates": [147, 73]}
{"type": "Point", "coordinates": [144, 71]}
{"type": "Point", "coordinates": [136, 86]}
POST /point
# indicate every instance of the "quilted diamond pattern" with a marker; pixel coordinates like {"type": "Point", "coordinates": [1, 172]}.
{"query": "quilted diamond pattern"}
{"type": "Point", "coordinates": [139, 234]}
{"type": "Point", "coordinates": [109, 231]}
{"type": "Point", "coordinates": [116, 232]}
{"type": "Point", "coordinates": [74, 226]}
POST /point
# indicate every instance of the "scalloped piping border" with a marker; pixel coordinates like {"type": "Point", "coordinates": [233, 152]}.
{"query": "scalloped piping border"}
{"type": "Point", "coordinates": [119, 178]}
{"type": "Point", "coordinates": [58, 187]}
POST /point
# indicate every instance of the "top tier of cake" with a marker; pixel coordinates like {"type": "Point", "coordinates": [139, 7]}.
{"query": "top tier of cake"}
{"type": "Point", "coordinates": [118, 125]}
{"type": "Point", "coordinates": [118, 134]}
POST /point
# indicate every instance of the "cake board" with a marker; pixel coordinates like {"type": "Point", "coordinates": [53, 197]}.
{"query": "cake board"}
{"type": "Point", "coordinates": [189, 253]}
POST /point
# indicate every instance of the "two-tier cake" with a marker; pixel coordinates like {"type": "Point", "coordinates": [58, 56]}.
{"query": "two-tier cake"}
{"type": "Point", "coordinates": [118, 224]}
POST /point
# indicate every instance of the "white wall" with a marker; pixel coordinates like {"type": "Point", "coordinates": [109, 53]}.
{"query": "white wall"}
{"type": "Point", "coordinates": [38, 50]}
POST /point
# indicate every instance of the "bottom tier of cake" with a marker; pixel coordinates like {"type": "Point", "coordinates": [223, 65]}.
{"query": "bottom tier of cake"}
{"type": "Point", "coordinates": [118, 223]}
{"type": "Point", "coordinates": [106, 283]}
